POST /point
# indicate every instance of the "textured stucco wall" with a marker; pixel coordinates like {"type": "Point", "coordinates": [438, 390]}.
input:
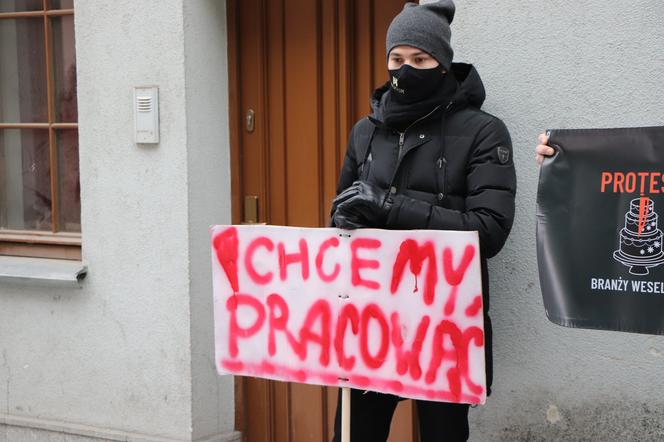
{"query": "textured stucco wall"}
{"type": "Point", "coordinates": [563, 64]}
{"type": "Point", "coordinates": [115, 354]}
{"type": "Point", "coordinates": [129, 354]}
{"type": "Point", "coordinates": [208, 166]}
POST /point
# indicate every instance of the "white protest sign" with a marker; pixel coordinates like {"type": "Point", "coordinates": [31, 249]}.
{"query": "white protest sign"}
{"type": "Point", "coordinates": [397, 312]}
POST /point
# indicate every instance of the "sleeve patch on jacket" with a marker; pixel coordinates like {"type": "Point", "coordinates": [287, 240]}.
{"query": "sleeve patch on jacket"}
{"type": "Point", "coordinates": [503, 154]}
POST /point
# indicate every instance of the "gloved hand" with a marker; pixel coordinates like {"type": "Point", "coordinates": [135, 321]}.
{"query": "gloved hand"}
{"type": "Point", "coordinates": [362, 204]}
{"type": "Point", "coordinates": [347, 221]}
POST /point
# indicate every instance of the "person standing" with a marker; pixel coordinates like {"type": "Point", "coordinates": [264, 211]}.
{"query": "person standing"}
{"type": "Point", "coordinates": [426, 158]}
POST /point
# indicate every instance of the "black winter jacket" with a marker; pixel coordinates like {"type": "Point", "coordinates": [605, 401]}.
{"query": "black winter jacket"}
{"type": "Point", "coordinates": [450, 170]}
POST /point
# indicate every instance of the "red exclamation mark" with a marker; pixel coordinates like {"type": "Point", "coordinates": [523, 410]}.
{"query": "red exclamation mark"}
{"type": "Point", "coordinates": [226, 246]}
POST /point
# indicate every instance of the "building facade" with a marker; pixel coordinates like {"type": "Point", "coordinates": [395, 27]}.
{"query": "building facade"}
{"type": "Point", "coordinates": [105, 296]}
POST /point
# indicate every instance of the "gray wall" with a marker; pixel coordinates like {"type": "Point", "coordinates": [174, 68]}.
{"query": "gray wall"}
{"type": "Point", "coordinates": [208, 166]}
{"type": "Point", "coordinates": [129, 355]}
{"type": "Point", "coordinates": [563, 64]}
{"type": "Point", "coordinates": [114, 355]}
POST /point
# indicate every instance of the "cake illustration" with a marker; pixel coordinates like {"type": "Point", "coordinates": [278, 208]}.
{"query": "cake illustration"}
{"type": "Point", "coordinates": [641, 238]}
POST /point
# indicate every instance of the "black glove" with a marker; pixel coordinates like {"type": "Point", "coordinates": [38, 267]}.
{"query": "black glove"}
{"type": "Point", "coordinates": [362, 204]}
{"type": "Point", "coordinates": [343, 219]}
{"type": "Point", "coordinates": [347, 221]}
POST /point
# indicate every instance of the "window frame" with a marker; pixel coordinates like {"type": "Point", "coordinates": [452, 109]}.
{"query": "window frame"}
{"type": "Point", "coordinates": [54, 243]}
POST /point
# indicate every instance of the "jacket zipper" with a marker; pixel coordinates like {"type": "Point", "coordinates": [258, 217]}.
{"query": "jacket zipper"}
{"type": "Point", "coordinates": [402, 136]}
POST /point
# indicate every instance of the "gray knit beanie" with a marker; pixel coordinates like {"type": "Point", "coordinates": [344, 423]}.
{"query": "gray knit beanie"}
{"type": "Point", "coordinates": [425, 27]}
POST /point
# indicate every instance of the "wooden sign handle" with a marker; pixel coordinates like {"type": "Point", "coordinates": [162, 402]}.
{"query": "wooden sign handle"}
{"type": "Point", "coordinates": [345, 414]}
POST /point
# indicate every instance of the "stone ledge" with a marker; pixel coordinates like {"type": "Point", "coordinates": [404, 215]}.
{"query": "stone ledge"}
{"type": "Point", "coordinates": [42, 271]}
{"type": "Point", "coordinates": [31, 429]}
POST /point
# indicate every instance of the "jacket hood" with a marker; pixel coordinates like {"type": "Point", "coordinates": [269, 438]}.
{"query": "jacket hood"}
{"type": "Point", "coordinates": [470, 90]}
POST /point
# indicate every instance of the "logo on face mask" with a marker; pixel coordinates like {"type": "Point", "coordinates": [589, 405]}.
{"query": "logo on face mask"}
{"type": "Point", "coordinates": [395, 85]}
{"type": "Point", "coordinates": [410, 85]}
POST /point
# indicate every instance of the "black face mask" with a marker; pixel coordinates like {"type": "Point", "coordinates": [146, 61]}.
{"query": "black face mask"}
{"type": "Point", "coordinates": [410, 85]}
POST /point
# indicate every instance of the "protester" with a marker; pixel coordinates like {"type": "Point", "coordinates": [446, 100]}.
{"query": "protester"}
{"type": "Point", "coordinates": [426, 158]}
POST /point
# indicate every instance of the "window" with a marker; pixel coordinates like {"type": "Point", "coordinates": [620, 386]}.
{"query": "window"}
{"type": "Point", "coordinates": [40, 212]}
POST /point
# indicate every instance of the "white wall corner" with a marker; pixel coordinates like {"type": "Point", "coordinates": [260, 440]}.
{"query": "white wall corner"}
{"type": "Point", "coordinates": [209, 201]}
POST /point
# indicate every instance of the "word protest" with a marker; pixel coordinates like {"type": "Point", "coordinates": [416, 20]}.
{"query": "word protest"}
{"type": "Point", "coordinates": [397, 312]}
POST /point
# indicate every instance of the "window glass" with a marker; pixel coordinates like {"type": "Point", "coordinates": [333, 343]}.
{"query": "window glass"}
{"type": "Point", "coordinates": [61, 4]}
{"type": "Point", "coordinates": [69, 190]}
{"type": "Point", "coordinates": [64, 69]}
{"type": "Point", "coordinates": [23, 94]}
{"type": "Point", "coordinates": [21, 5]}
{"type": "Point", "coordinates": [25, 187]}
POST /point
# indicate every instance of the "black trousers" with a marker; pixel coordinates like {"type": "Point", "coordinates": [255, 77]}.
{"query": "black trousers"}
{"type": "Point", "coordinates": [371, 416]}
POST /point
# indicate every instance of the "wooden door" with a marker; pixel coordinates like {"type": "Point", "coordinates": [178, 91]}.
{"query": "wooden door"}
{"type": "Point", "coordinates": [301, 73]}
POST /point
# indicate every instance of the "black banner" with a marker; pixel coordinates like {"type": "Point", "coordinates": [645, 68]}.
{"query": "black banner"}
{"type": "Point", "coordinates": [599, 231]}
